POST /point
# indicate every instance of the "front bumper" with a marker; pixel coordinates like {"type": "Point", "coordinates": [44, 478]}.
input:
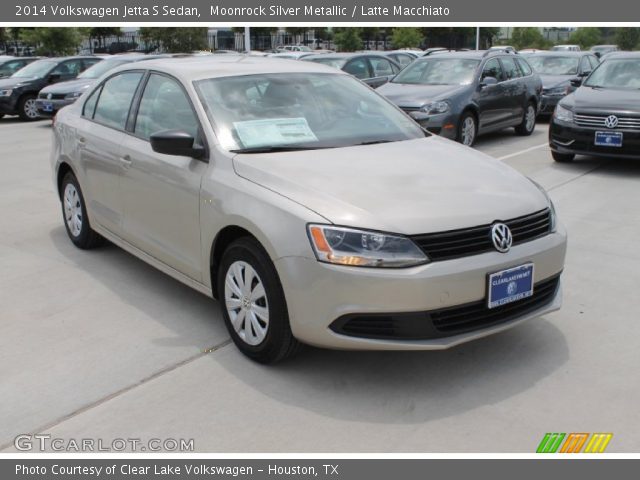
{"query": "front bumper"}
{"type": "Point", "coordinates": [548, 104]}
{"type": "Point", "coordinates": [49, 108]}
{"type": "Point", "coordinates": [443, 124]}
{"type": "Point", "coordinates": [8, 105]}
{"type": "Point", "coordinates": [571, 139]}
{"type": "Point", "coordinates": [318, 294]}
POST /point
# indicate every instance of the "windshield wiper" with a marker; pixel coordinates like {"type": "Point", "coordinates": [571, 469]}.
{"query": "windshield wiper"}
{"type": "Point", "coordinates": [276, 148]}
{"type": "Point", "coordinates": [374, 142]}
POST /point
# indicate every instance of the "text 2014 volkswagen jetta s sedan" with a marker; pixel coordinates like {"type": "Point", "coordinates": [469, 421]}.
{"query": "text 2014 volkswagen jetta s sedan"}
{"type": "Point", "coordinates": [309, 205]}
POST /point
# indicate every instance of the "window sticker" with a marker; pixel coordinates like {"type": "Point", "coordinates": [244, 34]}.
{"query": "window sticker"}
{"type": "Point", "coordinates": [274, 131]}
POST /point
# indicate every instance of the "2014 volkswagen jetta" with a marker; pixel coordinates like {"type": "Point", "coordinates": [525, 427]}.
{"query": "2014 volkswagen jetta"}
{"type": "Point", "coordinates": [309, 205]}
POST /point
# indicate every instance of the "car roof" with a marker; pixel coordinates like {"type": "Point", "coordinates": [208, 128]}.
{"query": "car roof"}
{"type": "Point", "coordinates": [72, 57]}
{"type": "Point", "coordinates": [622, 55]}
{"type": "Point", "coordinates": [468, 54]}
{"type": "Point", "coordinates": [349, 54]}
{"type": "Point", "coordinates": [189, 69]}
{"type": "Point", "coordinates": [563, 53]}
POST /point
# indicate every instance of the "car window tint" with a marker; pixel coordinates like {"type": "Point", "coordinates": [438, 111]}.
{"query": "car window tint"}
{"type": "Point", "coordinates": [9, 68]}
{"type": "Point", "coordinates": [71, 68]}
{"type": "Point", "coordinates": [594, 61]}
{"type": "Point", "coordinates": [585, 65]}
{"type": "Point", "coordinates": [89, 62]}
{"type": "Point", "coordinates": [511, 70]}
{"type": "Point", "coordinates": [492, 69]}
{"type": "Point", "coordinates": [381, 67]}
{"type": "Point", "coordinates": [402, 59]}
{"type": "Point", "coordinates": [524, 66]}
{"type": "Point", "coordinates": [90, 104]}
{"type": "Point", "coordinates": [164, 106]}
{"type": "Point", "coordinates": [115, 100]}
{"type": "Point", "coordinates": [358, 68]}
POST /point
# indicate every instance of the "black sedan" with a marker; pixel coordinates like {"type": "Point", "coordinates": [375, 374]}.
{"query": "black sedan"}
{"type": "Point", "coordinates": [602, 117]}
{"type": "Point", "coordinates": [10, 65]}
{"type": "Point", "coordinates": [372, 68]}
{"type": "Point", "coordinates": [557, 71]}
{"type": "Point", "coordinates": [18, 92]}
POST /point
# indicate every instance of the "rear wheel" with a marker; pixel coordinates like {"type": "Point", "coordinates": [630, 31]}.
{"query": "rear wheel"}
{"type": "Point", "coordinates": [468, 129]}
{"type": "Point", "coordinates": [562, 157]}
{"type": "Point", "coordinates": [253, 303]}
{"type": "Point", "coordinates": [27, 109]}
{"type": "Point", "coordinates": [75, 217]}
{"type": "Point", "coordinates": [528, 124]}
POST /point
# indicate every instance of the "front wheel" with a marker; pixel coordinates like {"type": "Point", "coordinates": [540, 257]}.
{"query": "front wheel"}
{"type": "Point", "coordinates": [27, 109]}
{"type": "Point", "coordinates": [253, 303]}
{"type": "Point", "coordinates": [468, 129]}
{"type": "Point", "coordinates": [528, 124]}
{"type": "Point", "coordinates": [75, 217]}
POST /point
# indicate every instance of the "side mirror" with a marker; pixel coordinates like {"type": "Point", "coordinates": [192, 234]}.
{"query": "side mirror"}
{"type": "Point", "coordinates": [586, 73]}
{"type": "Point", "coordinates": [54, 77]}
{"type": "Point", "coordinates": [176, 142]}
{"type": "Point", "coordinates": [486, 81]}
{"type": "Point", "coordinates": [576, 82]}
{"type": "Point", "coordinates": [598, 54]}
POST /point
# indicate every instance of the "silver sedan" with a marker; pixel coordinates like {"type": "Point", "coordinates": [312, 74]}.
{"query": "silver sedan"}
{"type": "Point", "coordinates": [311, 207]}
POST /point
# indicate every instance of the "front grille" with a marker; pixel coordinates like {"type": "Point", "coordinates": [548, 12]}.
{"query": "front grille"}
{"type": "Point", "coordinates": [411, 109]}
{"type": "Point", "coordinates": [624, 123]}
{"type": "Point", "coordinates": [54, 96]}
{"type": "Point", "coordinates": [476, 240]}
{"type": "Point", "coordinates": [444, 322]}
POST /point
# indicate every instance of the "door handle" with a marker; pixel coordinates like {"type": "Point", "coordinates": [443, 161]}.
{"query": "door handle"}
{"type": "Point", "coordinates": [125, 161]}
{"type": "Point", "coordinates": [82, 142]}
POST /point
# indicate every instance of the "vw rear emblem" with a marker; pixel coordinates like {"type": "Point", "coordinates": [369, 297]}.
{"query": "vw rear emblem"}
{"type": "Point", "coordinates": [611, 121]}
{"type": "Point", "coordinates": [501, 237]}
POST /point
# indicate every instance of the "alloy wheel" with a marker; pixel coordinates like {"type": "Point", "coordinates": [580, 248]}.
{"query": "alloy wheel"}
{"type": "Point", "coordinates": [30, 109]}
{"type": "Point", "coordinates": [72, 210]}
{"type": "Point", "coordinates": [468, 134]}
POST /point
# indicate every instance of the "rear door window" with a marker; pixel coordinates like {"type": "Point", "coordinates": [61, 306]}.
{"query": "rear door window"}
{"type": "Point", "coordinates": [524, 66]}
{"type": "Point", "coordinates": [358, 68]}
{"type": "Point", "coordinates": [115, 99]}
{"type": "Point", "coordinates": [492, 69]}
{"type": "Point", "coordinates": [511, 70]}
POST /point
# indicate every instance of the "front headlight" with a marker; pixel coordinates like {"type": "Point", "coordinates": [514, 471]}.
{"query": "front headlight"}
{"type": "Point", "coordinates": [435, 107]}
{"type": "Point", "coordinates": [563, 114]}
{"type": "Point", "coordinates": [73, 95]}
{"type": "Point", "coordinates": [361, 248]}
{"type": "Point", "coordinates": [6, 93]}
{"type": "Point", "coordinates": [558, 91]}
{"type": "Point", "coordinates": [552, 208]}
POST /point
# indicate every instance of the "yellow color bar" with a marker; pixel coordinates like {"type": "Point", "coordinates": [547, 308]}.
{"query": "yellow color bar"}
{"type": "Point", "coordinates": [598, 442]}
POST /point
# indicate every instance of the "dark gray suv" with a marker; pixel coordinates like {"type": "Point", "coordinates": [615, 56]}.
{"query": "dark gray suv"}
{"type": "Point", "coordinates": [461, 95]}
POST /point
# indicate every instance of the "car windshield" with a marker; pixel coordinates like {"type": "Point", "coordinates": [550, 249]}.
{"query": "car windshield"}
{"type": "Point", "coordinates": [37, 69]}
{"type": "Point", "coordinates": [616, 73]}
{"type": "Point", "coordinates": [439, 71]}
{"type": "Point", "coordinates": [554, 65]}
{"type": "Point", "coordinates": [336, 62]}
{"type": "Point", "coordinates": [99, 68]}
{"type": "Point", "coordinates": [300, 111]}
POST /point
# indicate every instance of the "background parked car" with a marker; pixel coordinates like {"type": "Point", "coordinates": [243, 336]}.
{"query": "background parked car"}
{"type": "Point", "coordinates": [463, 94]}
{"type": "Point", "coordinates": [372, 68]}
{"type": "Point", "coordinates": [601, 50]}
{"type": "Point", "coordinates": [566, 48]}
{"type": "Point", "coordinates": [10, 65]}
{"type": "Point", "coordinates": [602, 117]}
{"type": "Point", "coordinates": [53, 97]}
{"type": "Point", "coordinates": [401, 57]}
{"type": "Point", "coordinates": [18, 93]}
{"type": "Point", "coordinates": [290, 55]}
{"type": "Point", "coordinates": [557, 70]}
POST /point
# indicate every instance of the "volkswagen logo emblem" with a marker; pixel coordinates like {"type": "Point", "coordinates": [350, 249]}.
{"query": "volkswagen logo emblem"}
{"type": "Point", "coordinates": [49, 96]}
{"type": "Point", "coordinates": [501, 237]}
{"type": "Point", "coordinates": [611, 121]}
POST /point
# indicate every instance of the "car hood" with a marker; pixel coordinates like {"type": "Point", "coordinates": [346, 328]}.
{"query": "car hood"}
{"type": "Point", "coordinates": [551, 81]}
{"type": "Point", "coordinates": [415, 186]}
{"type": "Point", "coordinates": [70, 86]}
{"type": "Point", "coordinates": [606, 100]}
{"type": "Point", "coordinates": [409, 95]}
{"type": "Point", "coordinates": [13, 82]}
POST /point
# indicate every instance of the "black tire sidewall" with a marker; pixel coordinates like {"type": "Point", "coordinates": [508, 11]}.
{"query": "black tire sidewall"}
{"type": "Point", "coordinates": [279, 330]}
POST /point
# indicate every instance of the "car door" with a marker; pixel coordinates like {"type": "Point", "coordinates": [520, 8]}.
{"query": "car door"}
{"type": "Point", "coordinates": [382, 70]}
{"type": "Point", "coordinates": [100, 136]}
{"type": "Point", "coordinates": [161, 193]}
{"type": "Point", "coordinates": [515, 91]}
{"type": "Point", "coordinates": [359, 68]}
{"type": "Point", "coordinates": [492, 106]}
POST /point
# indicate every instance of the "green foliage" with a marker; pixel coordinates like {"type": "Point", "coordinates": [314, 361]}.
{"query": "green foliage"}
{"type": "Point", "coordinates": [406, 37]}
{"type": "Point", "coordinates": [528, 37]}
{"type": "Point", "coordinates": [627, 38]}
{"type": "Point", "coordinates": [586, 37]}
{"type": "Point", "coordinates": [52, 41]}
{"type": "Point", "coordinates": [176, 39]}
{"type": "Point", "coordinates": [348, 39]}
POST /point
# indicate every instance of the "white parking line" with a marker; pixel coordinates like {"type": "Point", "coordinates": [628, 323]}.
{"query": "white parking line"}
{"type": "Point", "coordinates": [515, 154]}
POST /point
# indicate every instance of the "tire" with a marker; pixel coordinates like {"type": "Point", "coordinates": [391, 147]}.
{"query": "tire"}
{"type": "Point", "coordinates": [74, 215]}
{"type": "Point", "coordinates": [27, 108]}
{"type": "Point", "coordinates": [528, 124]}
{"type": "Point", "coordinates": [467, 129]}
{"type": "Point", "coordinates": [259, 326]}
{"type": "Point", "coordinates": [562, 157]}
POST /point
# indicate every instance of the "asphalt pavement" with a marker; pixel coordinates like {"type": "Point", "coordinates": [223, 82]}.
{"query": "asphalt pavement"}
{"type": "Point", "coordinates": [97, 344]}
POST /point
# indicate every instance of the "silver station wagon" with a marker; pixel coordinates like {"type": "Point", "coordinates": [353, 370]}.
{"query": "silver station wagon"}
{"type": "Point", "coordinates": [311, 207]}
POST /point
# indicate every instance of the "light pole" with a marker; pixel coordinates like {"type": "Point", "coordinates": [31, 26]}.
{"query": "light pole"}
{"type": "Point", "coordinates": [247, 40]}
{"type": "Point", "coordinates": [477, 38]}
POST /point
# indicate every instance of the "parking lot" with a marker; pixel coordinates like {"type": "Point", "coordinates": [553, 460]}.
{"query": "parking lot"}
{"type": "Point", "coordinates": [97, 344]}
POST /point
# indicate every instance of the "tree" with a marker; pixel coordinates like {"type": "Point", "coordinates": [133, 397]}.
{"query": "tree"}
{"type": "Point", "coordinates": [586, 37]}
{"type": "Point", "coordinates": [627, 38]}
{"type": "Point", "coordinates": [527, 37]}
{"type": "Point", "coordinates": [52, 41]}
{"type": "Point", "coordinates": [368, 34]}
{"type": "Point", "coordinates": [176, 39]}
{"type": "Point", "coordinates": [406, 37]}
{"type": "Point", "coordinates": [488, 35]}
{"type": "Point", "coordinates": [348, 39]}
{"type": "Point", "coordinates": [101, 32]}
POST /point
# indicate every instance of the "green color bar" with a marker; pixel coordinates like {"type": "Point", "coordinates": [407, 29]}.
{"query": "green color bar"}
{"type": "Point", "coordinates": [550, 442]}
